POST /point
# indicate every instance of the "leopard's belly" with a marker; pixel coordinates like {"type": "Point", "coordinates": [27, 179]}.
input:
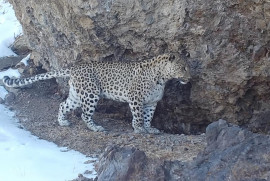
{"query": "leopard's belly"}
{"type": "Point", "coordinates": [117, 96]}
{"type": "Point", "coordinates": [155, 94]}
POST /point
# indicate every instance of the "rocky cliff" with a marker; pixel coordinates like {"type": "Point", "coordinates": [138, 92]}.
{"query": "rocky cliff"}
{"type": "Point", "coordinates": [227, 44]}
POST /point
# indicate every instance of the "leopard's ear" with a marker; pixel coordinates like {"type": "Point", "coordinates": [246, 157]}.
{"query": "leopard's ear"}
{"type": "Point", "coordinates": [172, 57]}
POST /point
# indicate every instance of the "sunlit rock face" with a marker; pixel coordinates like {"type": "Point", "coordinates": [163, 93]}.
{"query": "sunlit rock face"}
{"type": "Point", "coordinates": [227, 44]}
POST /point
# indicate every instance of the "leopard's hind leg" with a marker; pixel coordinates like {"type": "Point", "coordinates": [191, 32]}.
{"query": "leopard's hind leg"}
{"type": "Point", "coordinates": [71, 103]}
{"type": "Point", "coordinates": [89, 100]}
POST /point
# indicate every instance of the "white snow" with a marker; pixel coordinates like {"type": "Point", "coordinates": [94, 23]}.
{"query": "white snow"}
{"type": "Point", "coordinates": [24, 157]}
{"type": "Point", "coordinates": [3, 92]}
{"type": "Point", "coordinates": [9, 28]}
{"type": "Point", "coordinates": [11, 73]}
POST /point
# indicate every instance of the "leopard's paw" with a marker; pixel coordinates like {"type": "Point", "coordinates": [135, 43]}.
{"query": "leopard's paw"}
{"type": "Point", "coordinates": [96, 128]}
{"type": "Point", "coordinates": [140, 130]}
{"type": "Point", "coordinates": [153, 130]}
{"type": "Point", "coordinates": [64, 122]}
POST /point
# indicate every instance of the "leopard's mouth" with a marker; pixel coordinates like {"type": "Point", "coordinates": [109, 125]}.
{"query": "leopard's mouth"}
{"type": "Point", "coordinates": [182, 81]}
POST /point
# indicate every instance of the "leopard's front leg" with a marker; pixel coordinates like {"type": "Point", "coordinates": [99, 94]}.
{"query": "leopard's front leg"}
{"type": "Point", "coordinates": [136, 108]}
{"type": "Point", "coordinates": [148, 113]}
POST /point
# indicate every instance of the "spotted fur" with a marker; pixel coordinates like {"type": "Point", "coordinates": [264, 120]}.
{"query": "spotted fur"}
{"type": "Point", "coordinates": [140, 84]}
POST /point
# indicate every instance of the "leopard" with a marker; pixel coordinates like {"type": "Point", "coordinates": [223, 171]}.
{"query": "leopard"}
{"type": "Point", "coordinates": [139, 83]}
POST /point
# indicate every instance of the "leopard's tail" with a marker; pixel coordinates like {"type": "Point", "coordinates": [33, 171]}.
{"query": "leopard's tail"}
{"type": "Point", "coordinates": [9, 82]}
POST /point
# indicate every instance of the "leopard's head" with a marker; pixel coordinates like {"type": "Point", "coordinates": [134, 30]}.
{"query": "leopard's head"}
{"type": "Point", "coordinates": [178, 68]}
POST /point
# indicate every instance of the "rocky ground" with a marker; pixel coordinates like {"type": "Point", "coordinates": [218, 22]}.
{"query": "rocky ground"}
{"type": "Point", "coordinates": [231, 153]}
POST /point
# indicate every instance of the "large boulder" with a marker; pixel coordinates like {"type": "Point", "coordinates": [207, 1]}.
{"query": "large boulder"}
{"type": "Point", "coordinates": [127, 164]}
{"type": "Point", "coordinates": [227, 44]}
{"type": "Point", "coordinates": [231, 154]}
{"type": "Point", "coordinates": [20, 45]}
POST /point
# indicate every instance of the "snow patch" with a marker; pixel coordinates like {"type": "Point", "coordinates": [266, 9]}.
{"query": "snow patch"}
{"type": "Point", "coordinates": [10, 72]}
{"type": "Point", "coordinates": [3, 93]}
{"type": "Point", "coordinates": [9, 28]}
{"type": "Point", "coordinates": [25, 157]}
